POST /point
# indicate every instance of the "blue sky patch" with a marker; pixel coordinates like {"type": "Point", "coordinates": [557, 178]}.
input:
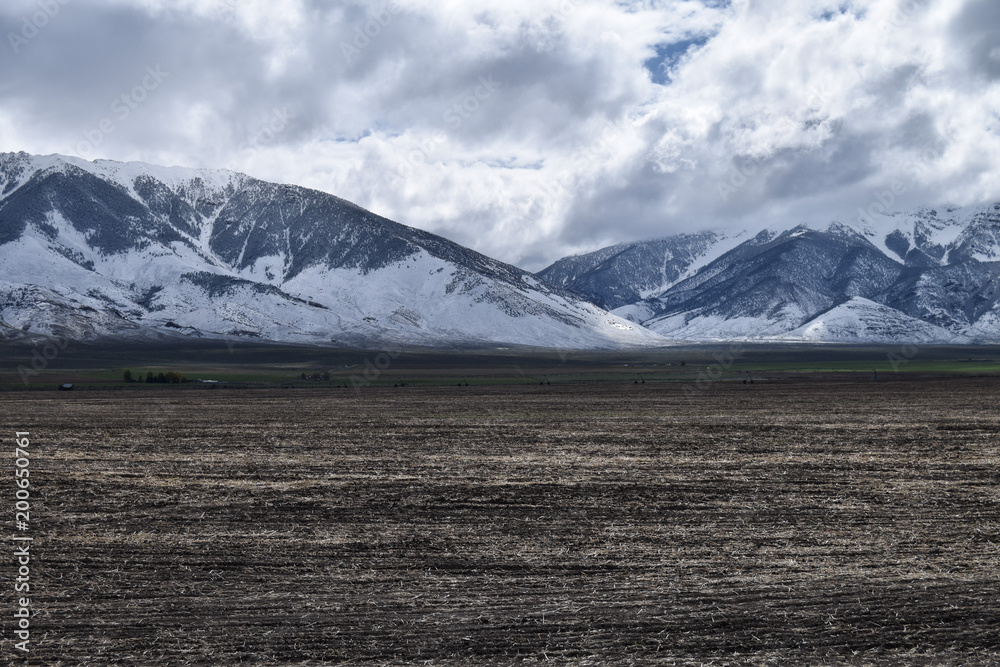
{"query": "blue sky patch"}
{"type": "Point", "coordinates": [668, 55]}
{"type": "Point", "coordinates": [831, 14]}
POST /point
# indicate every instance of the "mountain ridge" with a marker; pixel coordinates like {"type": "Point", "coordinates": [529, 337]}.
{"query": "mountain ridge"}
{"type": "Point", "coordinates": [108, 249]}
{"type": "Point", "coordinates": [132, 250]}
{"type": "Point", "coordinates": [938, 267]}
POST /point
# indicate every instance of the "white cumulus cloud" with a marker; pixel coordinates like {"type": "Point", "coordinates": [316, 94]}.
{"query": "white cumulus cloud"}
{"type": "Point", "coordinates": [532, 129]}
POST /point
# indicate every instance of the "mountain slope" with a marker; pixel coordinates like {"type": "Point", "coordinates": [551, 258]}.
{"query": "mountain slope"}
{"type": "Point", "coordinates": [934, 266]}
{"type": "Point", "coordinates": [767, 287]}
{"type": "Point", "coordinates": [863, 321]}
{"type": "Point", "coordinates": [623, 274]}
{"type": "Point", "coordinates": [131, 250]}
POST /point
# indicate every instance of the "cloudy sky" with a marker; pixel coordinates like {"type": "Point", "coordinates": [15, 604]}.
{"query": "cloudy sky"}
{"type": "Point", "coordinates": [529, 129]}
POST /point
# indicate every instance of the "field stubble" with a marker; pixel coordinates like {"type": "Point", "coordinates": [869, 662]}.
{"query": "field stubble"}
{"type": "Point", "coordinates": [819, 523]}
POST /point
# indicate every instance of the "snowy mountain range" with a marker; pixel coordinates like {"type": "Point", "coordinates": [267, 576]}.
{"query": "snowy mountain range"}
{"type": "Point", "coordinates": [109, 250]}
{"type": "Point", "coordinates": [624, 274]}
{"type": "Point", "coordinates": [927, 276]}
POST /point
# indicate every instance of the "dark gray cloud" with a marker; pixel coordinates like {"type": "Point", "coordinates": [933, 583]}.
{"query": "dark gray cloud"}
{"type": "Point", "coordinates": [976, 29]}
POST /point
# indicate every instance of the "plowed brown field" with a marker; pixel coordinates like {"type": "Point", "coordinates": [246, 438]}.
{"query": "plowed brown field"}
{"type": "Point", "coordinates": [785, 523]}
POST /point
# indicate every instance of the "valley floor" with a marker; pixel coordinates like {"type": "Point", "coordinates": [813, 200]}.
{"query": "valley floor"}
{"type": "Point", "coordinates": [807, 522]}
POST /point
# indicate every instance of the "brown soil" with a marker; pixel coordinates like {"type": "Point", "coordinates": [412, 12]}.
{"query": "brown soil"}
{"type": "Point", "coordinates": [785, 523]}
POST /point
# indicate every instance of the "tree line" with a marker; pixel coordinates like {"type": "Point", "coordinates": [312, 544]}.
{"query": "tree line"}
{"type": "Point", "coordinates": [170, 377]}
